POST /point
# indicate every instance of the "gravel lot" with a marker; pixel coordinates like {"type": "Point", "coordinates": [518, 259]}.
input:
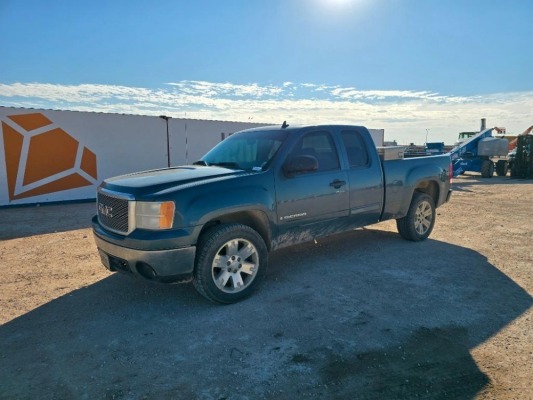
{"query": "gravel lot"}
{"type": "Point", "coordinates": [356, 316]}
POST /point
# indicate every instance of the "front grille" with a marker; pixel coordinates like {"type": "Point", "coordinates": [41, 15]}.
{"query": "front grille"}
{"type": "Point", "coordinates": [113, 212]}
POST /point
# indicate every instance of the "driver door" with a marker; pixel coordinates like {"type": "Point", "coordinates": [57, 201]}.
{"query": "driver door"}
{"type": "Point", "coordinates": [314, 203]}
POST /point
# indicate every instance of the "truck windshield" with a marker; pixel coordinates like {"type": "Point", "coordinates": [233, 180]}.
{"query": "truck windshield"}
{"type": "Point", "coordinates": [248, 150]}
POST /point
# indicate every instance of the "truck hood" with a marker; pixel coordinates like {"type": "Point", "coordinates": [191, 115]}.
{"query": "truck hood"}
{"type": "Point", "coordinates": [150, 182]}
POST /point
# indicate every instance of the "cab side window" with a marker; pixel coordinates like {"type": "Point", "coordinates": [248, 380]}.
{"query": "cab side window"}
{"type": "Point", "coordinates": [355, 148]}
{"type": "Point", "coordinates": [321, 146]}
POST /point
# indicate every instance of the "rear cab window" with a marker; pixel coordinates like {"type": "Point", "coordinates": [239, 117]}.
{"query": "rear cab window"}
{"type": "Point", "coordinates": [356, 149]}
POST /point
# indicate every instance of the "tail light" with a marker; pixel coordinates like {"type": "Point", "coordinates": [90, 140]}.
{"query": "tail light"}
{"type": "Point", "coordinates": [451, 173]}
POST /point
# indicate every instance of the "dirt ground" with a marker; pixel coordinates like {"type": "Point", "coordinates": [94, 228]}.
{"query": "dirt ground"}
{"type": "Point", "coordinates": [362, 315]}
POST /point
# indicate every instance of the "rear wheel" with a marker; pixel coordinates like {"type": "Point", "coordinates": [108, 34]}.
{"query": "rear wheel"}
{"type": "Point", "coordinates": [230, 263]}
{"type": "Point", "coordinates": [487, 169]}
{"type": "Point", "coordinates": [420, 219]}
{"type": "Point", "coordinates": [502, 166]}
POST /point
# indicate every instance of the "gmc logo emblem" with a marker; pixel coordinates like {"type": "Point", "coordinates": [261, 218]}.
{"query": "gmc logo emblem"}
{"type": "Point", "coordinates": [104, 210]}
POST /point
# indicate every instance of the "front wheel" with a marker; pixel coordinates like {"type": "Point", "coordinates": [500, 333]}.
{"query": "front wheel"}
{"type": "Point", "coordinates": [420, 219]}
{"type": "Point", "coordinates": [230, 263]}
{"type": "Point", "coordinates": [487, 169]}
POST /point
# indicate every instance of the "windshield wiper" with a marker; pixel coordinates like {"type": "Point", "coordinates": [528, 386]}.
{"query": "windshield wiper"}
{"type": "Point", "coordinates": [200, 162]}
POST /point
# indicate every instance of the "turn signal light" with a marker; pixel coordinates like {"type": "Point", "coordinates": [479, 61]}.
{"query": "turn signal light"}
{"type": "Point", "coordinates": [166, 215]}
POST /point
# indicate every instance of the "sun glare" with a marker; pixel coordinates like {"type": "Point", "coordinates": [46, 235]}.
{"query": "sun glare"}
{"type": "Point", "coordinates": [337, 4]}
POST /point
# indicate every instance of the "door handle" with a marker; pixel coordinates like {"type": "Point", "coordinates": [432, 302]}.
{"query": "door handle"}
{"type": "Point", "coordinates": [337, 183]}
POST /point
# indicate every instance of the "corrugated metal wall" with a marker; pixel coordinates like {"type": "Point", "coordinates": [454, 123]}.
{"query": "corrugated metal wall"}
{"type": "Point", "coordinates": [48, 155]}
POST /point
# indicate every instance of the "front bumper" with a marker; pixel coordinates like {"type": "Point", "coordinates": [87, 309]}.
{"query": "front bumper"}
{"type": "Point", "coordinates": [172, 265]}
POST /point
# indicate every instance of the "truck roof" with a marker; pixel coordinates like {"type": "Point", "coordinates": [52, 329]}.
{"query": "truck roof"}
{"type": "Point", "coordinates": [299, 127]}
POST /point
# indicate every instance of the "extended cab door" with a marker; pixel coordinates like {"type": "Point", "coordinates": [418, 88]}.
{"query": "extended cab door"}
{"type": "Point", "coordinates": [365, 177]}
{"type": "Point", "coordinates": [312, 203]}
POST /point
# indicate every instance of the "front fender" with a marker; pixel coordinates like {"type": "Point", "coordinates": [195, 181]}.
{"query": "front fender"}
{"type": "Point", "coordinates": [254, 200]}
{"type": "Point", "coordinates": [254, 213]}
{"type": "Point", "coordinates": [253, 194]}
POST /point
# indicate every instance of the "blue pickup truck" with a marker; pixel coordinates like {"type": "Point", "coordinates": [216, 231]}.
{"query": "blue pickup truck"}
{"type": "Point", "coordinates": [215, 222]}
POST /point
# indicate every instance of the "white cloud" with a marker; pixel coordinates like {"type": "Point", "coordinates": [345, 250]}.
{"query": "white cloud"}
{"type": "Point", "coordinates": [211, 89]}
{"type": "Point", "coordinates": [405, 115]}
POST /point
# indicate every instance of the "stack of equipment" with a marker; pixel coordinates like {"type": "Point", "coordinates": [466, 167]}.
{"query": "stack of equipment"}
{"type": "Point", "coordinates": [523, 162]}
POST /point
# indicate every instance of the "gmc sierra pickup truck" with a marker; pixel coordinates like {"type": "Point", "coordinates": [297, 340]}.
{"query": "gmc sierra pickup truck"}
{"type": "Point", "coordinates": [215, 222]}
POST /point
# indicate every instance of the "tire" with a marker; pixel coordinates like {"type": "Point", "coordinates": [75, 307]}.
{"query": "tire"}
{"type": "Point", "coordinates": [487, 169]}
{"type": "Point", "coordinates": [420, 219]}
{"type": "Point", "coordinates": [231, 260]}
{"type": "Point", "coordinates": [502, 166]}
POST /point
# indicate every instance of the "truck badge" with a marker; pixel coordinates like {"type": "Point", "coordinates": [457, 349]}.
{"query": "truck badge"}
{"type": "Point", "coordinates": [104, 210]}
{"type": "Point", "coordinates": [293, 216]}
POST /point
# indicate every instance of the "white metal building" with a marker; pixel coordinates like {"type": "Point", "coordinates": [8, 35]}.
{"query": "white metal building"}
{"type": "Point", "coordinates": [49, 155]}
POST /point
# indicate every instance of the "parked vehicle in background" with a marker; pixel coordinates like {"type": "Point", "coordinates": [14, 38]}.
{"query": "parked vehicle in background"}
{"type": "Point", "coordinates": [477, 154]}
{"type": "Point", "coordinates": [434, 148]}
{"type": "Point", "coordinates": [523, 158]}
{"type": "Point", "coordinates": [261, 189]}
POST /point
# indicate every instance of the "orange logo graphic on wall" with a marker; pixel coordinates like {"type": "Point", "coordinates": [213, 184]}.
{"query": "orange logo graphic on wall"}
{"type": "Point", "coordinates": [42, 158]}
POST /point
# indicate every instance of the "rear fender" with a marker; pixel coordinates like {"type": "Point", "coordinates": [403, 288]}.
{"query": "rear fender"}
{"type": "Point", "coordinates": [426, 178]}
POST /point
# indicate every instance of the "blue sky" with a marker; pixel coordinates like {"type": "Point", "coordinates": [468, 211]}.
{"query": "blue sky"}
{"type": "Point", "coordinates": [402, 65]}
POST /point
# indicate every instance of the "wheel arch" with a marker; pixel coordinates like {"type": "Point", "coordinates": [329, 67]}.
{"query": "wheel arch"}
{"type": "Point", "coordinates": [255, 219]}
{"type": "Point", "coordinates": [429, 178]}
{"type": "Point", "coordinates": [429, 187]}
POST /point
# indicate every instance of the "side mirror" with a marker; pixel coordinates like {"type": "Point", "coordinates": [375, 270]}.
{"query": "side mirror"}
{"type": "Point", "coordinates": [300, 165]}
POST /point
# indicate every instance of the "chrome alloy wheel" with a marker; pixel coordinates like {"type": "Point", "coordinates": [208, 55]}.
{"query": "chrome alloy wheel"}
{"type": "Point", "coordinates": [423, 217]}
{"type": "Point", "coordinates": [235, 265]}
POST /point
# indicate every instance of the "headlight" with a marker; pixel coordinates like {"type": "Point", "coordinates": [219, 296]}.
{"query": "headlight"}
{"type": "Point", "coordinates": [154, 215]}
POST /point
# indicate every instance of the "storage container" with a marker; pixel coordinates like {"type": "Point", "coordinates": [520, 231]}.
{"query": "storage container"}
{"type": "Point", "coordinates": [391, 152]}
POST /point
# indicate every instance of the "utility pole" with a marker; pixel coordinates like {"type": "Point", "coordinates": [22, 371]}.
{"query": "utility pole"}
{"type": "Point", "coordinates": [168, 139]}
